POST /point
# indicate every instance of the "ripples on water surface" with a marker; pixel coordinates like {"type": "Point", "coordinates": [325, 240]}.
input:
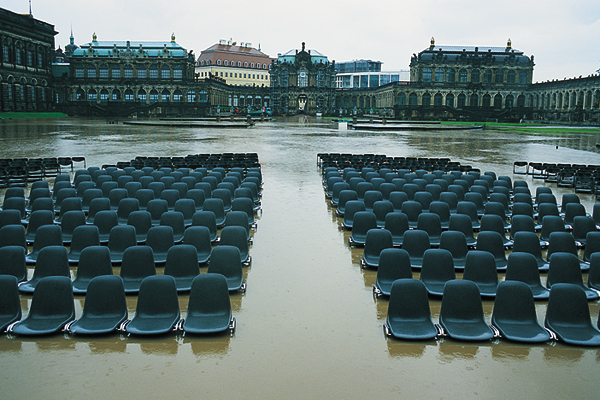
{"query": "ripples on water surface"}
{"type": "Point", "coordinates": [308, 326]}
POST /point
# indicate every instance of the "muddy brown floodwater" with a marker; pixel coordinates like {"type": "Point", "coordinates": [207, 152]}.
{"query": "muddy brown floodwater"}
{"type": "Point", "coordinates": [308, 326]}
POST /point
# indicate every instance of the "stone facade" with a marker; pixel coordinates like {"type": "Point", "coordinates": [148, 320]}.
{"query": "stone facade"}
{"type": "Point", "coordinates": [302, 82]}
{"type": "Point", "coordinates": [26, 54]}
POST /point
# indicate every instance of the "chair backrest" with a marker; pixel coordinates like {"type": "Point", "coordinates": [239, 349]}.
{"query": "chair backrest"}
{"type": "Point", "coordinates": [200, 238]}
{"type": "Point", "coordinates": [13, 263]}
{"type": "Point", "coordinates": [10, 304]}
{"type": "Point", "coordinates": [138, 263]}
{"type": "Point", "coordinates": [94, 261]}
{"type": "Point", "coordinates": [47, 235]}
{"type": "Point", "coordinates": [461, 302]}
{"type": "Point", "coordinates": [226, 260]}
{"type": "Point", "coordinates": [416, 242]}
{"type": "Point", "coordinates": [393, 264]}
{"type": "Point", "coordinates": [53, 299]}
{"type": "Point", "coordinates": [105, 297]}
{"type": "Point", "coordinates": [438, 266]}
{"type": "Point", "coordinates": [565, 268]}
{"type": "Point", "coordinates": [158, 296]}
{"type": "Point", "coordinates": [209, 298]}
{"type": "Point", "coordinates": [207, 219]}
{"type": "Point", "coordinates": [551, 223]}
{"type": "Point", "coordinates": [561, 242]}
{"type": "Point", "coordinates": [51, 261]}
{"type": "Point", "coordinates": [492, 241]}
{"type": "Point", "coordinates": [523, 267]}
{"type": "Point", "coordinates": [581, 226]}
{"type": "Point", "coordinates": [480, 267]}
{"type": "Point", "coordinates": [235, 236]}
{"type": "Point", "coordinates": [182, 261]}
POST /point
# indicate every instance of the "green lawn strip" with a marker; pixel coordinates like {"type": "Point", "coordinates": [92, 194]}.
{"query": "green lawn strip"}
{"type": "Point", "coordinates": [24, 115]}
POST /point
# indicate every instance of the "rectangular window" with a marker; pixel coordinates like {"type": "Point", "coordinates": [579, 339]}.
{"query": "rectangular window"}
{"type": "Point", "coordinates": [128, 96]}
{"type": "Point", "coordinates": [115, 73]}
{"type": "Point", "coordinates": [190, 97]}
{"type": "Point", "coordinates": [115, 97]}
{"type": "Point", "coordinates": [142, 97]}
{"type": "Point", "coordinates": [40, 60]}
{"type": "Point", "coordinates": [78, 72]}
{"type": "Point", "coordinates": [5, 53]}
{"type": "Point", "coordinates": [30, 58]}
{"type": "Point", "coordinates": [141, 74]}
{"type": "Point", "coordinates": [177, 97]}
{"type": "Point", "coordinates": [22, 93]}
{"type": "Point", "coordinates": [10, 91]}
{"type": "Point", "coordinates": [236, 75]}
{"type": "Point", "coordinates": [104, 96]}
{"type": "Point", "coordinates": [92, 96]}
{"type": "Point", "coordinates": [91, 73]}
{"type": "Point", "coordinates": [226, 74]}
{"type": "Point", "coordinates": [177, 74]}
{"type": "Point", "coordinates": [18, 56]}
{"type": "Point", "coordinates": [103, 72]}
{"type": "Point", "coordinates": [153, 74]}
{"type": "Point", "coordinates": [153, 98]}
{"type": "Point", "coordinates": [373, 80]}
{"type": "Point", "coordinates": [356, 81]}
{"type": "Point", "coordinates": [165, 73]}
{"type": "Point", "coordinates": [166, 97]}
{"type": "Point", "coordinates": [128, 73]}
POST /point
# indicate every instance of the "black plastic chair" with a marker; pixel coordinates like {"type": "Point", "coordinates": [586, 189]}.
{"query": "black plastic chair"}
{"type": "Point", "coordinates": [592, 245]}
{"type": "Point", "coordinates": [363, 221]}
{"type": "Point", "coordinates": [514, 313]}
{"type": "Point", "coordinates": [345, 197]}
{"type": "Point", "coordinates": [456, 243]}
{"type": "Point", "coordinates": [126, 207]}
{"type": "Point", "coordinates": [105, 307]}
{"type": "Point", "coordinates": [528, 242]}
{"type": "Point", "coordinates": [12, 262]}
{"type": "Point", "coordinates": [105, 220]}
{"type": "Point", "coordinates": [568, 316]}
{"type": "Point", "coordinates": [138, 263]}
{"type": "Point", "coordinates": [171, 196]}
{"type": "Point", "coordinates": [409, 316]}
{"type": "Point", "coordinates": [416, 242]}
{"type": "Point", "coordinates": [71, 220]}
{"type": "Point", "coordinates": [10, 217]}
{"type": "Point", "coordinates": [236, 236]}
{"type": "Point", "coordinates": [52, 260]}
{"type": "Point", "coordinates": [594, 273]}
{"type": "Point", "coordinates": [376, 240]}
{"type": "Point", "coordinates": [97, 205]}
{"type": "Point", "coordinates": [36, 219]}
{"type": "Point", "coordinates": [521, 223]}
{"type": "Point", "coordinates": [187, 208]}
{"type": "Point", "coordinates": [157, 310]}
{"type": "Point", "coordinates": [437, 269]}
{"type": "Point", "coordinates": [216, 206]}
{"type": "Point", "coordinates": [209, 307]}
{"type": "Point", "coordinates": [182, 264]}
{"type": "Point", "coordinates": [175, 220]}
{"type": "Point", "coordinates": [480, 267]}
{"type": "Point", "coordinates": [207, 219]}
{"type": "Point", "coordinates": [157, 208]}
{"type": "Point", "coordinates": [225, 260]}
{"type": "Point", "coordinates": [461, 314]}
{"type": "Point", "coordinates": [142, 222]}
{"type": "Point", "coordinates": [46, 235]}
{"type": "Point", "coordinates": [523, 267]}
{"type": "Point", "coordinates": [581, 226]}
{"type": "Point", "coordinates": [238, 218]}
{"type": "Point", "coordinates": [492, 242]}
{"type": "Point", "coordinates": [51, 309]}
{"type": "Point", "coordinates": [83, 236]}
{"type": "Point", "coordinates": [565, 268]}
{"type": "Point", "coordinates": [160, 240]}
{"type": "Point", "coordinates": [492, 222]}
{"type": "Point", "coordinates": [381, 209]}
{"type": "Point", "coordinates": [121, 237]}
{"type": "Point", "coordinates": [94, 261]}
{"type": "Point", "coordinates": [431, 224]}
{"type": "Point", "coordinates": [470, 210]}
{"type": "Point", "coordinates": [550, 224]}
{"type": "Point", "coordinates": [563, 242]}
{"type": "Point", "coordinates": [393, 264]}
{"type": "Point", "coordinates": [572, 210]}
{"type": "Point", "coordinates": [397, 198]}
{"type": "Point", "coordinates": [412, 209]}
{"type": "Point", "coordinates": [352, 207]}
{"type": "Point", "coordinates": [397, 224]}
{"type": "Point", "coordinates": [10, 304]}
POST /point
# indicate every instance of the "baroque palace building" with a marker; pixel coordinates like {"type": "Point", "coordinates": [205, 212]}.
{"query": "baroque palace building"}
{"type": "Point", "coordinates": [26, 55]}
{"type": "Point", "coordinates": [302, 82]}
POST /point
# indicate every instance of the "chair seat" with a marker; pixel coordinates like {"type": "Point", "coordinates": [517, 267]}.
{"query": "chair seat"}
{"type": "Point", "coordinates": [154, 325]}
{"type": "Point", "coordinates": [467, 330]}
{"type": "Point", "coordinates": [522, 332]}
{"type": "Point", "coordinates": [97, 325]}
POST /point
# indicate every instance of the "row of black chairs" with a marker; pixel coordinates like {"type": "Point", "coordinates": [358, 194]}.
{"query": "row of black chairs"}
{"type": "Point", "coordinates": [193, 161]}
{"type": "Point", "coordinates": [582, 178]}
{"type": "Point", "coordinates": [105, 310]}
{"type": "Point", "coordinates": [514, 316]}
{"type": "Point", "coordinates": [380, 161]}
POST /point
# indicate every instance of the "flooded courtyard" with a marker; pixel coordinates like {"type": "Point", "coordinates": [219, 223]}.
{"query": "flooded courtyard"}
{"type": "Point", "coordinates": [308, 326]}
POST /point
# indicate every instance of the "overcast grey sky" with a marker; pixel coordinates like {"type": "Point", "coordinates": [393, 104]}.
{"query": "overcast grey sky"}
{"type": "Point", "coordinates": [562, 35]}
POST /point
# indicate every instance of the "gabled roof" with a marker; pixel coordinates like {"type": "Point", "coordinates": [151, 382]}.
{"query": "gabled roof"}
{"type": "Point", "coordinates": [316, 57]}
{"type": "Point", "coordinates": [220, 48]}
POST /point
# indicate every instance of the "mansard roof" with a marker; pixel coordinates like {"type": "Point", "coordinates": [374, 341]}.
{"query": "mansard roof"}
{"type": "Point", "coordinates": [316, 57]}
{"type": "Point", "coordinates": [108, 48]}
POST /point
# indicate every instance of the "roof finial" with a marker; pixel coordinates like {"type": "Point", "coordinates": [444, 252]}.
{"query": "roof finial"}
{"type": "Point", "coordinates": [30, 13]}
{"type": "Point", "coordinates": [303, 44]}
{"type": "Point", "coordinates": [173, 37]}
{"type": "Point", "coordinates": [432, 42]}
{"type": "Point", "coordinates": [94, 37]}
{"type": "Point", "coordinates": [508, 44]}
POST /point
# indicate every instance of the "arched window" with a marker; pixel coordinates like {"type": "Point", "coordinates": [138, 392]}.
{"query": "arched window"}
{"type": "Point", "coordinates": [218, 61]}
{"type": "Point", "coordinates": [264, 66]}
{"type": "Point", "coordinates": [191, 96]}
{"type": "Point", "coordinates": [498, 101]}
{"type": "Point", "coordinates": [116, 95]}
{"type": "Point", "coordinates": [426, 100]}
{"type": "Point", "coordinates": [509, 101]}
{"type": "Point", "coordinates": [251, 65]}
{"type": "Point", "coordinates": [142, 96]}
{"type": "Point", "coordinates": [499, 77]}
{"type": "Point", "coordinates": [103, 71]}
{"type": "Point", "coordinates": [165, 72]}
{"type": "Point", "coordinates": [92, 95]}
{"type": "Point", "coordinates": [450, 100]}
{"type": "Point", "coordinates": [239, 63]}
{"type": "Point", "coordinates": [401, 99]}
{"type": "Point", "coordinates": [153, 96]}
{"type": "Point", "coordinates": [128, 71]}
{"type": "Point", "coordinates": [487, 101]}
{"type": "Point", "coordinates": [462, 76]}
{"type": "Point", "coordinates": [450, 75]}
{"type": "Point", "coordinates": [475, 76]}
{"type": "Point", "coordinates": [153, 72]}
{"type": "Point", "coordinates": [412, 99]}
{"type": "Point", "coordinates": [521, 101]}
{"type": "Point", "coordinates": [104, 95]}
{"type": "Point", "coordinates": [462, 100]}
{"type": "Point", "coordinates": [487, 76]}
{"type": "Point", "coordinates": [165, 96]}
{"type": "Point", "coordinates": [80, 95]}
{"type": "Point", "coordinates": [129, 95]}
{"type": "Point", "coordinates": [246, 64]}
{"type": "Point", "coordinates": [177, 72]}
{"type": "Point", "coordinates": [426, 74]}
{"type": "Point", "coordinates": [510, 77]}
{"type": "Point", "coordinates": [225, 63]}
{"type": "Point", "coordinates": [302, 78]}
{"type": "Point", "coordinates": [438, 100]}
{"type": "Point", "coordinates": [474, 100]}
{"type": "Point", "coordinates": [439, 75]}
{"type": "Point", "coordinates": [523, 77]}
{"type": "Point", "coordinates": [177, 96]}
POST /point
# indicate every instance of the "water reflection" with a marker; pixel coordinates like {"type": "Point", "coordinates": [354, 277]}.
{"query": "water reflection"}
{"type": "Point", "coordinates": [165, 345]}
{"type": "Point", "coordinates": [209, 346]}
{"type": "Point", "coordinates": [451, 350]}
{"type": "Point", "coordinates": [511, 351]}
{"type": "Point", "coordinates": [112, 344]}
{"type": "Point", "coordinates": [562, 354]}
{"type": "Point", "coordinates": [403, 349]}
